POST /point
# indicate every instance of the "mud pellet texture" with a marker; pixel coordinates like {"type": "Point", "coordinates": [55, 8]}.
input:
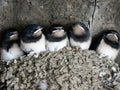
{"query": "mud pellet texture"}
{"type": "Point", "coordinates": [67, 69]}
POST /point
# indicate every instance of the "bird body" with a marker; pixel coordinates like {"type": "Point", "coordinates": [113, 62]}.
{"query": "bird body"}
{"type": "Point", "coordinates": [10, 48]}
{"type": "Point", "coordinates": [13, 53]}
{"type": "Point", "coordinates": [56, 38]}
{"type": "Point", "coordinates": [79, 36]}
{"type": "Point", "coordinates": [82, 45]}
{"type": "Point", "coordinates": [37, 47]}
{"type": "Point", "coordinates": [107, 51]}
{"type": "Point", "coordinates": [107, 44]}
{"type": "Point", "coordinates": [33, 40]}
{"type": "Point", "coordinates": [55, 46]}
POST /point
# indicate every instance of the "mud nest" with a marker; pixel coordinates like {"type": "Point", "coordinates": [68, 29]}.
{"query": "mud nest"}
{"type": "Point", "coordinates": [67, 69]}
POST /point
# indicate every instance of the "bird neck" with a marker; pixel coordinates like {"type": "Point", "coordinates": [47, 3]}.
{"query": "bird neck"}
{"type": "Point", "coordinates": [31, 39]}
{"type": "Point", "coordinates": [52, 38]}
{"type": "Point", "coordinates": [80, 38]}
{"type": "Point", "coordinates": [9, 44]}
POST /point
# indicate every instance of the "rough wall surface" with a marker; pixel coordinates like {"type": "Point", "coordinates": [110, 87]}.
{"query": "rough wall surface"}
{"type": "Point", "coordinates": [6, 14]}
{"type": "Point", "coordinates": [98, 14]}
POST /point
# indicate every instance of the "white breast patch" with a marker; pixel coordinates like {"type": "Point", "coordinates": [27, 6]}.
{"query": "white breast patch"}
{"type": "Point", "coordinates": [83, 45]}
{"type": "Point", "coordinates": [107, 51]}
{"type": "Point", "coordinates": [35, 47]}
{"type": "Point", "coordinates": [55, 46]}
{"type": "Point", "coordinates": [13, 53]}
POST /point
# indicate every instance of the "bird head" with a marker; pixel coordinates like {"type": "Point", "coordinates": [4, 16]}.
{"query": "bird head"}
{"type": "Point", "coordinates": [57, 31]}
{"type": "Point", "coordinates": [31, 32]}
{"type": "Point", "coordinates": [10, 35]}
{"type": "Point", "coordinates": [79, 29]}
{"type": "Point", "coordinates": [112, 37]}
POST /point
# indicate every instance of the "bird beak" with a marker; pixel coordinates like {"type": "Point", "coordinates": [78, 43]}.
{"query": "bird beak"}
{"type": "Point", "coordinates": [54, 31]}
{"type": "Point", "coordinates": [14, 37]}
{"type": "Point", "coordinates": [58, 31]}
{"type": "Point", "coordinates": [38, 32]}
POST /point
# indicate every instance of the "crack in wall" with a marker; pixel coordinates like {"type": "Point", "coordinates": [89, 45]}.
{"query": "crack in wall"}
{"type": "Point", "coordinates": [93, 14]}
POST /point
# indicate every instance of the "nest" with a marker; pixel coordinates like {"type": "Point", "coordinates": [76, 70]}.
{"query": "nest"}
{"type": "Point", "coordinates": [67, 69]}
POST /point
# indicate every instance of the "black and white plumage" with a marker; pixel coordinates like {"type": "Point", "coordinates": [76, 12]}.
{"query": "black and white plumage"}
{"type": "Point", "coordinates": [107, 44]}
{"type": "Point", "coordinates": [33, 40]}
{"type": "Point", "coordinates": [56, 38]}
{"type": "Point", "coordinates": [79, 36]}
{"type": "Point", "coordinates": [10, 45]}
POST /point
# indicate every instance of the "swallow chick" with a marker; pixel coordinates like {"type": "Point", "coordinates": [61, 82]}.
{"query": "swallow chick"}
{"type": "Point", "coordinates": [107, 44]}
{"type": "Point", "coordinates": [10, 45]}
{"type": "Point", "coordinates": [56, 38]}
{"type": "Point", "coordinates": [33, 40]}
{"type": "Point", "coordinates": [79, 36]}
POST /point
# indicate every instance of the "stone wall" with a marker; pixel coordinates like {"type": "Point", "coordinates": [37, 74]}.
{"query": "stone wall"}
{"type": "Point", "coordinates": [97, 14]}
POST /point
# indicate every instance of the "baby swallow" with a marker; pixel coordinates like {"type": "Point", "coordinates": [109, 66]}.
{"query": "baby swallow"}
{"type": "Point", "coordinates": [10, 45]}
{"type": "Point", "coordinates": [79, 36]}
{"type": "Point", "coordinates": [107, 44]}
{"type": "Point", "coordinates": [33, 40]}
{"type": "Point", "coordinates": [56, 38]}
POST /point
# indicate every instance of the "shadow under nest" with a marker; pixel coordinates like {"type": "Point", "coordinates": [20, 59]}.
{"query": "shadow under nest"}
{"type": "Point", "coordinates": [67, 69]}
